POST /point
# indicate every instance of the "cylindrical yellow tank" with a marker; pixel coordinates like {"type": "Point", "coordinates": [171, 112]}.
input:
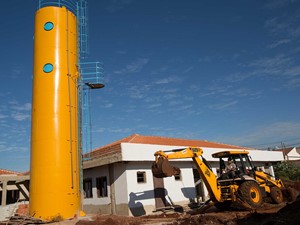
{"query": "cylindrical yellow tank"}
{"type": "Point", "coordinates": [54, 171]}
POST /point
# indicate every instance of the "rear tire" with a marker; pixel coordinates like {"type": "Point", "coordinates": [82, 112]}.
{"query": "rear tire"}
{"type": "Point", "coordinates": [250, 192]}
{"type": "Point", "coordinates": [276, 195]}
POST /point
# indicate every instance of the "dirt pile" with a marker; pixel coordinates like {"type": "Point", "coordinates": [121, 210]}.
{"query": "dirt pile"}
{"type": "Point", "coordinates": [218, 218]}
{"type": "Point", "coordinates": [125, 220]}
{"type": "Point", "coordinates": [111, 220]}
{"type": "Point", "coordinates": [289, 215]}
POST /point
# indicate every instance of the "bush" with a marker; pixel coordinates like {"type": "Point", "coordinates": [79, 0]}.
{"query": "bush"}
{"type": "Point", "coordinates": [287, 171]}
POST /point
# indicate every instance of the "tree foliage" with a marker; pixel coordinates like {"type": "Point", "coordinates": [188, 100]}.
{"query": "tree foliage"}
{"type": "Point", "coordinates": [287, 171]}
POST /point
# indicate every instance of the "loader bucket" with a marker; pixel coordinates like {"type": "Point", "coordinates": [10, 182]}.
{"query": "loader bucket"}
{"type": "Point", "coordinates": [162, 168]}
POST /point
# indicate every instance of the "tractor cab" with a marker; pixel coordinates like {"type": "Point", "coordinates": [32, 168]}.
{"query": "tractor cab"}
{"type": "Point", "coordinates": [234, 164]}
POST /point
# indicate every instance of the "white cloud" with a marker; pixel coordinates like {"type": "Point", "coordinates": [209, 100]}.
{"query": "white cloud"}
{"type": "Point", "coordinates": [15, 73]}
{"type": "Point", "coordinates": [187, 70]}
{"type": "Point", "coordinates": [121, 52]}
{"type": "Point", "coordinates": [279, 42]}
{"type": "Point", "coordinates": [152, 106]}
{"type": "Point", "coordinates": [242, 92]}
{"type": "Point", "coordinates": [204, 59]}
{"type": "Point", "coordinates": [280, 66]}
{"type": "Point", "coordinates": [293, 83]}
{"type": "Point", "coordinates": [175, 102]}
{"type": "Point", "coordinates": [107, 105]}
{"type": "Point", "coordinates": [276, 25]}
{"type": "Point", "coordinates": [293, 71]}
{"type": "Point", "coordinates": [278, 132]}
{"type": "Point", "coordinates": [274, 4]}
{"type": "Point", "coordinates": [133, 67]}
{"type": "Point", "coordinates": [161, 70]}
{"type": "Point", "coordinates": [269, 63]}
{"type": "Point", "coordinates": [24, 107]}
{"type": "Point", "coordinates": [116, 5]}
{"type": "Point", "coordinates": [215, 90]}
{"type": "Point", "coordinates": [120, 130]}
{"type": "Point", "coordinates": [223, 106]}
{"type": "Point", "coordinates": [168, 80]}
{"type": "Point", "coordinates": [286, 26]}
{"type": "Point", "coordinates": [13, 148]}
{"type": "Point", "coordinates": [20, 116]}
{"type": "Point", "coordinates": [138, 92]}
{"type": "Point", "coordinates": [184, 107]}
{"type": "Point", "coordinates": [2, 116]}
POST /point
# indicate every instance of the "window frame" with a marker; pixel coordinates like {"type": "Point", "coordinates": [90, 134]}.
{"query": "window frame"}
{"type": "Point", "coordinates": [139, 179]}
{"type": "Point", "coordinates": [102, 187]}
{"type": "Point", "coordinates": [178, 177]}
{"type": "Point", "coordinates": [88, 193]}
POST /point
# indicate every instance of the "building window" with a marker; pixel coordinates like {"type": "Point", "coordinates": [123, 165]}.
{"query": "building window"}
{"type": "Point", "coordinates": [101, 184]}
{"type": "Point", "coordinates": [87, 188]}
{"type": "Point", "coordinates": [177, 176]}
{"type": "Point", "coordinates": [141, 176]}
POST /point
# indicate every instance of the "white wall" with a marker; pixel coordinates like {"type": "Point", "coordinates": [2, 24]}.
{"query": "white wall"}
{"type": "Point", "coordinates": [266, 156]}
{"type": "Point", "coordinates": [142, 194]}
{"type": "Point", "coordinates": [93, 174]}
{"type": "Point", "coordinates": [293, 154]}
{"type": "Point", "coordinates": [181, 190]}
{"type": "Point", "coordinates": [121, 183]}
{"type": "Point", "coordinates": [139, 192]}
{"type": "Point", "coordinates": [145, 152]}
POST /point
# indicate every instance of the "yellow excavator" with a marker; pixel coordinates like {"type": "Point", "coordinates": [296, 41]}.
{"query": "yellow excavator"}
{"type": "Point", "coordinates": [245, 184]}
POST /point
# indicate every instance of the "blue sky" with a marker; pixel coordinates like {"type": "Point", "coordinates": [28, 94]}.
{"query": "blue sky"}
{"type": "Point", "coordinates": [224, 71]}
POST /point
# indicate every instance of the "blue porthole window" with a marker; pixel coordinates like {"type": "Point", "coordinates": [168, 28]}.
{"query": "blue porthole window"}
{"type": "Point", "coordinates": [48, 68]}
{"type": "Point", "coordinates": [48, 26]}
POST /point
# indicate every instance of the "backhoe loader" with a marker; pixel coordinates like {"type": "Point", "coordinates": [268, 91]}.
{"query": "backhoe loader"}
{"type": "Point", "coordinates": [245, 186]}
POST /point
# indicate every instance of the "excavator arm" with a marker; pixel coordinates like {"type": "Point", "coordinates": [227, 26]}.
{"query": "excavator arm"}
{"type": "Point", "coordinates": [162, 168]}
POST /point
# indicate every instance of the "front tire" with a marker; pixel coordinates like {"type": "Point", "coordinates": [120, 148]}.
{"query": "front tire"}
{"type": "Point", "coordinates": [292, 194]}
{"type": "Point", "coordinates": [250, 192]}
{"type": "Point", "coordinates": [276, 195]}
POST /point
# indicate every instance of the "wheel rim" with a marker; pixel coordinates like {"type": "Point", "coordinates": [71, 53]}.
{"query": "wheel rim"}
{"type": "Point", "coordinates": [277, 195]}
{"type": "Point", "coordinates": [254, 193]}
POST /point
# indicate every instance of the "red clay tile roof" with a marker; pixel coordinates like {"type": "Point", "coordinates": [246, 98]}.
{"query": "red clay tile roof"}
{"type": "Point", "coordinates": [26, 173]}
{"type": "Point", "coordinates": [115, 147]}
{"type": "Point", "coordinates": [8, 172]}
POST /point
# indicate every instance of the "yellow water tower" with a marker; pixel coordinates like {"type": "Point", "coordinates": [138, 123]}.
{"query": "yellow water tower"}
{"type": "Point", "coordinates": [55, 159]}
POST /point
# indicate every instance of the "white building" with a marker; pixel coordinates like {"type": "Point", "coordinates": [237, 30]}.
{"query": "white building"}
{"type": "Point", "coordinates": [118, 177]}
{"type": "Point", "coordinates": [291, 154]}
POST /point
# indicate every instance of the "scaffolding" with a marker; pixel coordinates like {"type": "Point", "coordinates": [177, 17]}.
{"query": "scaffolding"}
{"type": "Point", "coordinates": [91, 78]}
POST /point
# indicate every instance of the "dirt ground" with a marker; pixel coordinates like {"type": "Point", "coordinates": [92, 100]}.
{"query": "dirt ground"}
{"type": "Point", "coordinates": [269, 214]}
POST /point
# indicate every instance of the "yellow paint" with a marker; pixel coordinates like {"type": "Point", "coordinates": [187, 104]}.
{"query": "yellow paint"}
{"type": "Point", "coordinates": [54, 172]}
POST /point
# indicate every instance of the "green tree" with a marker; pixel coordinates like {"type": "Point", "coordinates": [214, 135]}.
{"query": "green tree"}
{"type": "Point", "coordinates": [287, 171]}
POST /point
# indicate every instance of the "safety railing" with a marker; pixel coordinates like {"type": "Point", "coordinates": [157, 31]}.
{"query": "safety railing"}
{"type": "Point", "coordinates": [71, 5]}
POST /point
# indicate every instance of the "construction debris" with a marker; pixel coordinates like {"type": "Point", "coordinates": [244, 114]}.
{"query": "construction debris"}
{"type": "Point", "coordinates": [22, 220]}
